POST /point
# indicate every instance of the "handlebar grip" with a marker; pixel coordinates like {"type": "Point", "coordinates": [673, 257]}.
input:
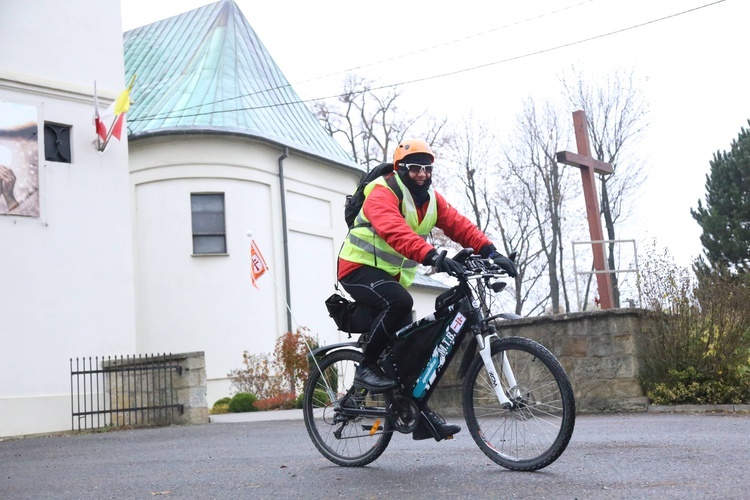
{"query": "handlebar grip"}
{"type": "Point", "coordinates": [440, 259]}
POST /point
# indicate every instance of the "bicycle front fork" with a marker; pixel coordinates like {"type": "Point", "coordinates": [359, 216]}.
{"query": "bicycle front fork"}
{"type": "Point", "coordinates": [485, 350]}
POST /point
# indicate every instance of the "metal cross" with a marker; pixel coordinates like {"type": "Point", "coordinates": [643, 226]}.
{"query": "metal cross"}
{"type": "Point", "coordinates": [589, 167]}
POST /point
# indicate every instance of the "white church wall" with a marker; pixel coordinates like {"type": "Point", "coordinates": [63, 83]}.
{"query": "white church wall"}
{"type": "Point", "coordinates": [207, 303]}
{"type": "Point", "coordinates": [67, 274]}
{"type": "Point", "coordinates": [315, 237]}
{"type": "Point", "coordinates": [64, 43]}
{"type": "Point", "coordinates": [424, 299]}
{"type": "Point", "coordinates": [312, 279]}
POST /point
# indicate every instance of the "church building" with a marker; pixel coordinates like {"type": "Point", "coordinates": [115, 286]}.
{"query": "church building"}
{"type": "Point", "coordinates": [145, 247]}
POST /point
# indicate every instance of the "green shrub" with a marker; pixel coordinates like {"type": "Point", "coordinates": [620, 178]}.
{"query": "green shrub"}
{"type": "Point", "coordinates": [242, 402]}
{"type": "Point", "coordinates": [321, 397]}
{"type": "Point", "coordinates": [697, 352]}
{"type": "Point", "coordinates": [220, 406]}
{"type": "Point", "coordinates": [219, 409]}
{"type": "Point", "coordinates": [691, 387]}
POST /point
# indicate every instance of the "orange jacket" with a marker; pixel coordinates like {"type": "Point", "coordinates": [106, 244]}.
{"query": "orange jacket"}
{"type": "Point", "coordinates": [382, 209]}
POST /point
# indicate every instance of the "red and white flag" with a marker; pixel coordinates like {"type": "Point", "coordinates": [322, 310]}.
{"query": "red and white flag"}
{"type": "Point", "coordinates": [115, 114]}
{"type": "Point", "coordinates": [259, 266]}
{"type": "Point", "coordinates": [101, 129]}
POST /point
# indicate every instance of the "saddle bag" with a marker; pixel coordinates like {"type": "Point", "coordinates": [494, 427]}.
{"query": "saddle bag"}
{"type": "Point", "coordinates": [350, 317]}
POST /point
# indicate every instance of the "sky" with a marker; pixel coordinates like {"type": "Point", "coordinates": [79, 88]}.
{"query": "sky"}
{"type": "Point", "coordinates": [691, 67]}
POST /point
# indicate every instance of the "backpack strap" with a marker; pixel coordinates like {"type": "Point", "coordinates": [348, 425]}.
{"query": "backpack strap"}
{"type": "Point", "coordinates": [393, 184]}
{"type": "Point", "coordinates": [390, 180]}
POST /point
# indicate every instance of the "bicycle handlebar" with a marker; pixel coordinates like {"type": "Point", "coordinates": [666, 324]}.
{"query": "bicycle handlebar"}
{"type": "Point", "coordinates": [475, 265]}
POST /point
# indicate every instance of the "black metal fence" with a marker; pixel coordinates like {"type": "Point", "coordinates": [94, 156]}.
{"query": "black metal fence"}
{"type": "Point", "coordinates": [122, 392]}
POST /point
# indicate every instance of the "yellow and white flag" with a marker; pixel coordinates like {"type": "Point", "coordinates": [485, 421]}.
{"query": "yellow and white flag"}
{"type": "Point", "coordinates": [114, 115]}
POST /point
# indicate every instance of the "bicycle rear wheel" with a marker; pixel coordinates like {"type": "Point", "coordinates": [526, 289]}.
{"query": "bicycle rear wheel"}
{"type": "Point", "coordinates": [533, 431]}
{"type": "Point", "coordinates": [344, 439]}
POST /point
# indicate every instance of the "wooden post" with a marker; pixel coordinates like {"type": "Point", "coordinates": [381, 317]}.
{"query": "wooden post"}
{"type": "Point", "coordinates": [589, 168]}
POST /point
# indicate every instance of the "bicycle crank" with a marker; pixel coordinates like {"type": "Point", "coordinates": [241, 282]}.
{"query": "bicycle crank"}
{"type": "Point", "coordinates": [404, 413]}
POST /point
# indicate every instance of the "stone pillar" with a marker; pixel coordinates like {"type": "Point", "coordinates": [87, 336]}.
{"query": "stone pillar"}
{"type": "Point", "coordinates": [191, 388]}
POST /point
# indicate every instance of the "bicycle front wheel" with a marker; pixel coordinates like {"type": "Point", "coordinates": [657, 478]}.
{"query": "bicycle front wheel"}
{"type": "Point", "coordinates": [533, 430]}
{"type": "Point", "coordinates": [330, 410]}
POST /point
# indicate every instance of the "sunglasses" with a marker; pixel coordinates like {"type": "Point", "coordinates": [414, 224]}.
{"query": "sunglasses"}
{"type": "Point", "coordinates": [415, 168]}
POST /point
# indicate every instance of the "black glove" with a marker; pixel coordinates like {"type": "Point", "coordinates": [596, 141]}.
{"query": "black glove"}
{"type": "Point", "coordinates": [447, 265]}
{"type": "Point", "coordinates": [505, 263]}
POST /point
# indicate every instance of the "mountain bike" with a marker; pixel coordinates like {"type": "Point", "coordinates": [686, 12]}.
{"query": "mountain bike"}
{"type": "Point", "coordinates": [517, 400]}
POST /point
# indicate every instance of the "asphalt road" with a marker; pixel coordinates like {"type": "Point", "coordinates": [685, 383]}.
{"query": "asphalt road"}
{"type": "Point", "coordinates": [610, 456]}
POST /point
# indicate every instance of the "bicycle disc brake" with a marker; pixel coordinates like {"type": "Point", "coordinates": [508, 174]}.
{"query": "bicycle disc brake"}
{"type": "Point", "coordinates": [404, 414]}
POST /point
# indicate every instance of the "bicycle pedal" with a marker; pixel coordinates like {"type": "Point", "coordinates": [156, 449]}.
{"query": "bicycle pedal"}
{"type": "Point", "coordinates": [370, 427]}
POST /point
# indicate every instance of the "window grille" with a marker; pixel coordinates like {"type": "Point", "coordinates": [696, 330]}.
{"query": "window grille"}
{"type": "Point", "coordinates": [57, 142]}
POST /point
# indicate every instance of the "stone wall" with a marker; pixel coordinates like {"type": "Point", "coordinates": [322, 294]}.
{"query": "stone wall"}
{"type": "Point", "coordinates": [601, 352]}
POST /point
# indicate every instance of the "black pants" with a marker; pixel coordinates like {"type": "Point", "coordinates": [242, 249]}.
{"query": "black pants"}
{"type": "Point", "coordinates": [383, 293]}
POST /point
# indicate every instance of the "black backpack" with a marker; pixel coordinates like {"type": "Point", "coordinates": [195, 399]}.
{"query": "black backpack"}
{"type": "Point", "coordinates": [355, 201]}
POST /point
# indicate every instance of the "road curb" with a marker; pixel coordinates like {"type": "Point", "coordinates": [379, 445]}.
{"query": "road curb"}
{"type": "Point", "coordinates": [256, 416]}
{"type": "Point", "coordinates": [698, 409]}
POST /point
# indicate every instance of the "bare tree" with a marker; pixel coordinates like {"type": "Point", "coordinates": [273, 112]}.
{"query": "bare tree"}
{"type": "Point", "coordinates": [512, 218]}
{"type": "Point", "coordinates": [470, 153]}
{"type": "Point", "coordinates": [370, 122]}
{"type": "Point", "coordinates": [616, 115]}
{"type": "Point", "coordinates": [546, 186]}
{"type": "Point", "coordinates": [473, 167]}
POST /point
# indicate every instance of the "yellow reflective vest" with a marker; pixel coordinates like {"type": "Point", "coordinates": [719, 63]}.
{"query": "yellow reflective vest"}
{"type": "Point", "coordinates": [364, 246]}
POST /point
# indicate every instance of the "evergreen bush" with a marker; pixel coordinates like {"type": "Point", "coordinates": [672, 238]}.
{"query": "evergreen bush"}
{"type": "Point", "coordinates": [220, 406]}
{"type": "Point", "coordinates": [242, 402]}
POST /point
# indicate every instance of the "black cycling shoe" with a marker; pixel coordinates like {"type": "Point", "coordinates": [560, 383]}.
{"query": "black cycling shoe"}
{"type": "Point", "coordinates": [432, 425]}
{"type": "Point", "coordinates": [371, 377]}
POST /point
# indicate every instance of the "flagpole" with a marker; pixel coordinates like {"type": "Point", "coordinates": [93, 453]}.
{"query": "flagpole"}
{"type": "Point", "coordinates": [304, 337]}
{"type": "Point", "coordinates": [126, 105]}
{"type": "Point", "coordinates": [288, 307]}
{"type": "Point", "coordinates": [96, 125]}
{"type": "Point", "coordinates": [109, 133]}
{"type": "Point", "coordinates": [276, 284]}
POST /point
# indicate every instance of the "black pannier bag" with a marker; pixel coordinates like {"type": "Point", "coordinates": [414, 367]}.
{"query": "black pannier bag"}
{"type": "Point", "coordinates": [350, 317]}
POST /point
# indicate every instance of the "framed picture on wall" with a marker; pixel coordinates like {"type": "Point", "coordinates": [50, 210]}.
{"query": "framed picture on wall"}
{"type": "Point", "coordinates": [19, 159]}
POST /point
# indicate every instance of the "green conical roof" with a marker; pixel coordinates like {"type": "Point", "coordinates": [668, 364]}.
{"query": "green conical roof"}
{"type": "Point", "coordinates": [207, 71]}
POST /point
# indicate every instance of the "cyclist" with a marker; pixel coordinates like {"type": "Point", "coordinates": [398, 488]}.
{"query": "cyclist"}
{"type": "Point", "coordinates": [379, 257]}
